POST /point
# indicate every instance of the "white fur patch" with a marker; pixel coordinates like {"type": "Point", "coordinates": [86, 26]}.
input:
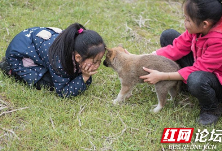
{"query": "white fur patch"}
{"type": "Point", "coordinates": [157, 109]}
{"type": "Point", "coordinates": [44, 34]}
{"type": "Point", "coordinates": [57, 30]}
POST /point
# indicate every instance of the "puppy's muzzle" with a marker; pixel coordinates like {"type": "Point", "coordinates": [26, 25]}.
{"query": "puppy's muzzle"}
{"type": "Point", "coordinates": [105, 63]}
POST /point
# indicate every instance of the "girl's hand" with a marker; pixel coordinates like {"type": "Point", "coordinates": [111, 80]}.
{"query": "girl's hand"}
{"type": "Point", "coordinates": [153, 53]}
{"type": "Point", "coordinates": [87, 71]}
{"type": "Point", "coordinates": [153, 77]}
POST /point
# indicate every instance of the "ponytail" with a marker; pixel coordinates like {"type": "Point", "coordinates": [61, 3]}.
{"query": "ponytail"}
{"type": "Point", "coordinates": [87, 43]}
{"type": "Point", "coordinates": [63, 47]}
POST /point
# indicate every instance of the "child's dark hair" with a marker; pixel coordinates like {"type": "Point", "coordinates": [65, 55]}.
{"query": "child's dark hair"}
{"type": "Point", "coordinates": [86, 43]}
{"type": "Point", "coordinates": [200, 10]}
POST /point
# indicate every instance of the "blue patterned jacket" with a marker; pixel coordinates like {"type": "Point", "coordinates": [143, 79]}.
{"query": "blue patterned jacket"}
{"type": "Point", "coordinates": [33, 44]}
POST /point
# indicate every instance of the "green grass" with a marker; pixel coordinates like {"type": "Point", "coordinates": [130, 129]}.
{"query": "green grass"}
{"type": "Point", "coordinates": [90, 121]}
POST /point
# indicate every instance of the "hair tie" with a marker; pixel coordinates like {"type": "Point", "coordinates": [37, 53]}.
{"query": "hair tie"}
{"type": "Point", "coordinates": [80, 30]}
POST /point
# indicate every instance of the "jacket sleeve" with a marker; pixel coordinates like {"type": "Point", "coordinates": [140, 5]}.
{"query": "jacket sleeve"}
{"type": "Point", "coordinates": [181, 47]}
{"type": "Point", "coordinates": [210, 60]}
{"type": "Point", "coordinates": [65, 86]}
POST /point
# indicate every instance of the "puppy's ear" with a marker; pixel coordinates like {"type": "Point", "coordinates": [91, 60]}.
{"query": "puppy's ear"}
{"type": "Point", "coordinates": [109, 51]}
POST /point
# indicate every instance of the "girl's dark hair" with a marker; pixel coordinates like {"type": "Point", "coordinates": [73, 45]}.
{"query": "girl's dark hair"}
{"type": "Point", "coordinates": [200, 10]}
{"type": "Point", "coordinates": [87, 44]}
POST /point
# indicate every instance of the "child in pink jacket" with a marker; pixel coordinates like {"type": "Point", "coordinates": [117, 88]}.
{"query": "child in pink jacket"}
{"type": "Point", "coordinates": [199, 53]}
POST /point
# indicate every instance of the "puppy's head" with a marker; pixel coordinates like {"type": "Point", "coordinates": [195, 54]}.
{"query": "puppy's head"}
{"type": "Point", "coordinates": [111, 55]}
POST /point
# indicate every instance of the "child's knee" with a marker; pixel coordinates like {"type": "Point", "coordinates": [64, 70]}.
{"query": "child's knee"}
{"type": "Point", "coordinates": [168, 36]}
{"type": "Point", "coordinates": [197, 82]}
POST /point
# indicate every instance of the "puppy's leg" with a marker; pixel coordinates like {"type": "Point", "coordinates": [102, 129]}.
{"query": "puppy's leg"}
{"type": "Point", "coordinates": [129, 93]}
{"type": "Point", "coordinates": [125, 92]}
{"type": "Point", "coordinates": [173, 93]}
{"type": "Point", "coordinates": [161, 92]}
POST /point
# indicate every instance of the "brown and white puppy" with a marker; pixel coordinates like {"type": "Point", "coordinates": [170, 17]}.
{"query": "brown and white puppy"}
{"type": "Point", "coordinates": [130, 67]}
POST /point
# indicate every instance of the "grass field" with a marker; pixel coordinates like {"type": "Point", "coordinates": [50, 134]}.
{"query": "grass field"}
{"type": "Point", "coordinates": [40, 120]}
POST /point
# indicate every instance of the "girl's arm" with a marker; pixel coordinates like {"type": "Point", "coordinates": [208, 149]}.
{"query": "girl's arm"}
{"type": "Point", "coordinates": [72, 87]}
{"type": "Point", "coordinates": [65, 86]}
{"type": "Point", "coordinates": [155, 76]}
{"type": "Point", "coordinates": [181, 47]}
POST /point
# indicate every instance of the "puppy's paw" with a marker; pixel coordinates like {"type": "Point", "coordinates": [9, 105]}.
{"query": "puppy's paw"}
{"type": "Point", "coordinates": [152, 111]}
{"type": "Point", "coordinates": [170, 99]}
{"type": "Point", "coordinates": [116, 102]}
{"type": "Point", "coordinates": [156, 109]}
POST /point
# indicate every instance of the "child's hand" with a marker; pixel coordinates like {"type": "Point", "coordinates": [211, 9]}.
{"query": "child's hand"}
{"type": "Point", "coordinates": [153, 77]}
{"type": "Point", "coordinates": [153, 53]}
{"type": "Point", "coordinates": [87, 71]}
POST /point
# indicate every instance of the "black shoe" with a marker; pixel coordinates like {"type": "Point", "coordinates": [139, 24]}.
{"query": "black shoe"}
{"type": "Point", "coordinates": [209, 117]}
{"type": "Point", "coordinates": [4, 66]}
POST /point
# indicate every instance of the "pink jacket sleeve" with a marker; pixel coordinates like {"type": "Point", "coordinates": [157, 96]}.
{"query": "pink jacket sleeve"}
{"type": "Point", "coordinates": [181, 47]}
{"type": "Point", "coordinates": [210, 61]}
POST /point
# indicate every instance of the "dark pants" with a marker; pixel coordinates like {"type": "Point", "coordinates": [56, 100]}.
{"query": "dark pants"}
{"type": "Point", "coordinates": [44, 82]}
{"type": "Point", "coordinates": [203, 85]}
